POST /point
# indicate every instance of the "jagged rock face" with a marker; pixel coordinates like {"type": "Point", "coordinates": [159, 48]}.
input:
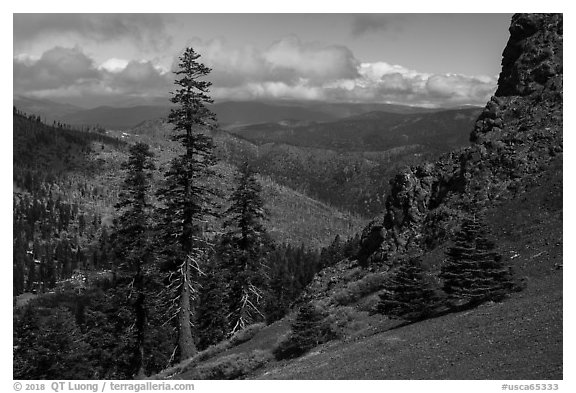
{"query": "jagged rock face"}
{"type": "Point", "coordinates": [533, 54]}
{"type": "Point", "coordinates": [516, 136]}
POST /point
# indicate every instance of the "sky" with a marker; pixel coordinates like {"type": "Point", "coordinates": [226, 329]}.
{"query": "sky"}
{"type": "Point", "coordinates": [88, 60]}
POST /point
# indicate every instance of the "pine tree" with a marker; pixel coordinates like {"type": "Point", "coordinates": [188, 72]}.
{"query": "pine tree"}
{"type": "Point", "coordinates": [49, 346]}
{"type": "Point", "coordinates": [243, 249]}
{"type": "Point", "coordinates": [473, 271]}
{"type": "Point", "coordinates": [408, 294]}
{"type": "Point", "coordinates": [186, 197]}
{"type": "Point", "coordinates": [131, 238]}
{"type": "Point", "coordinates": [334, 253]}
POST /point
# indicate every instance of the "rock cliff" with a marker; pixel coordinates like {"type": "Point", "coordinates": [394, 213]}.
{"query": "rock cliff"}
{"type": "Point", "coordinates": [514, 139]}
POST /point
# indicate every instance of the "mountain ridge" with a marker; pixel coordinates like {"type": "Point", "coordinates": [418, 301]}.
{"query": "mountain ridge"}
{"type": "Point", "coordinates": [371, 131]}
{"type": "Point", "coordinates": [230, 114]}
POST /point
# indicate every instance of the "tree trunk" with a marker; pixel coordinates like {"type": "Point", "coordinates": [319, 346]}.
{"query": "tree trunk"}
{"type": "Point", "coordinates": [140, 312]}
{"type": "Point", "coordinates": [185, 339]}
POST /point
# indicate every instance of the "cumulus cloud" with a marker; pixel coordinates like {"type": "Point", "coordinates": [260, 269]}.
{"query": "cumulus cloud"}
{"type": "Point", "coordinates": [293, 60]}
{"type": "Point", "coordinates": [287, 69]}
{"type": "Point", "coordinates": [270, 90]}
{"type": "Point", "coordinates": [459, 87]}
{"type": "Point", "coordinates": [231, 66]}
{"type": "Point", "coordinates": [385, 82]}
{"type": "Point", "coordinates": [145, 29]}
{"type": "Point", "coordinates": [288, 60]}
{"type": "Point", "coordinates": [114, 65]}
{"type": "Point", "coordinates": [141, 76]}
{"type": "Point", "coordinates": [58, 67]}
{"type": "Point", "coordinates": [68, 72]}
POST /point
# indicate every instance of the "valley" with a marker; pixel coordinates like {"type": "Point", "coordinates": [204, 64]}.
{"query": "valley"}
{"type": "Point", "coordinates": [295, 239]}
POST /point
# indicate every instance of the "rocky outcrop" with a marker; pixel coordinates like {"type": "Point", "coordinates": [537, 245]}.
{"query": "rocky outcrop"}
{"type": "Point", "coordinates": [518, 133]}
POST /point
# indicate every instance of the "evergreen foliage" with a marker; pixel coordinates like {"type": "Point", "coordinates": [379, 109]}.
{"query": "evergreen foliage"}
{"type": "Point", "coordinates": [132, 240]}
{"type": "Point", "coordinates": [408, 293]}
{"type": "Point", "coordinates": [290, 270]}
{"type": "Point", "coordinates": [49, 345]}
{"type": "Point", "coordinates": [212, 313]}
{"type": "Point", "coordinates": [473, 270]}
{"type": "Point", "coordinates": [186, 197]}
{"type": "Point", "coordinates": [59, 204]}
{"type": "Point", "coordinates": [243, 250]}
{"type": "Point", "coordinates": [332, 254]}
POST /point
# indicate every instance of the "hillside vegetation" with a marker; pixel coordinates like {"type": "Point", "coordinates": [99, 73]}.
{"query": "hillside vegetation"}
{"type": "Point", "coordinates": [510, 181]}
{"type": "Point", "coordinates": [354, 181]}
{"type": "Point", "coordinates": [178, 250]}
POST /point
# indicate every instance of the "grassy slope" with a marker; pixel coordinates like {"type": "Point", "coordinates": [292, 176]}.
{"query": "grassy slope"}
{"type": "Point", "coordinates": [520, 338]}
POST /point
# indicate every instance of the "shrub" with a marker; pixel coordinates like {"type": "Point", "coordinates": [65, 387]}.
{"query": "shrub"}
{"type": "Point", "coordinates": [346, 320]}
{"type": "Point", "coordinates": [232, 366]}
{"type": "Point", "coordinates": [356, 290]}
{"type": "Point", "coordinates": [212, 351]}
{"type": "Point", "coordinates": [308, 330]}
{"type": "Point", "coordinates": [246, 334]}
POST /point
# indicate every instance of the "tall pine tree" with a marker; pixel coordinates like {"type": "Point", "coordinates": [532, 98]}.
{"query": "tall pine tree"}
{"type": "Point", "coordinates": [132, 239]}
{"type": "Point", "coordinates": [243, 248]}
{"type": "Point", "coordinates": [186, 197]}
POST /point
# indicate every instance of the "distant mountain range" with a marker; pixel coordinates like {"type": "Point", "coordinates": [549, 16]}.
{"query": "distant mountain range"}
{"type": "Point", "coordinates": [47, 109]}
{"type": "Point", "coordinates": [341, 154]}
{"type": "Point", "coordinates": [372, 131]}
{"type": "Point", "coordinates": [230, 114]}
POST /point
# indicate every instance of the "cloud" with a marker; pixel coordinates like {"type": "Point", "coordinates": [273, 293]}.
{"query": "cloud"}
{"type": "Point", "coordinates": [269, 90]}
{"type": "Point", "coordinates": [231, 66]}
{"type": "Point", "coordinates": [385, 82]}
{"type": "Point", "coordinates": [114, 65]}
{"type": "Point", "coordinates": [287, 69]}
{"type": "Point", "coordinates": [70, 73]}
{"type": "Point", "coordinates": [288, 60]}
{"type": "Point", "coordinates": [293, 60]}
{"type": "Point", "coordinates": [461, 87]}
{"type": "Point", "coordinates": [144, 29]}
{"type": "Point", "coordinates": [141, 76]}
{"type": "Point", "coordinates": [57, 67]}
{"type": "Point", "coordinates": [373, 23]}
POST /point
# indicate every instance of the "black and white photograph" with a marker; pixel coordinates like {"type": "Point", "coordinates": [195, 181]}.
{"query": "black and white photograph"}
{"type": "Point", "coordinates": [287, 196]}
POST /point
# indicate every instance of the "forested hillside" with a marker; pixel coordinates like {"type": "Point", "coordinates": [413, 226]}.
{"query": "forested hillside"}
{"type": "Point", "coordinates": [178, 250]}
{"type": "Point", "coordinates": [460, 277]}
{"type": "Point", "coordinates": [355, 181]}
{"type": "Point", "coordinates": [63, 200]}
{"type": "Point", "coordinates": [72, 271]}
